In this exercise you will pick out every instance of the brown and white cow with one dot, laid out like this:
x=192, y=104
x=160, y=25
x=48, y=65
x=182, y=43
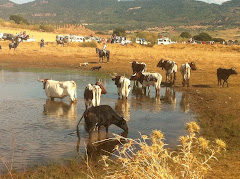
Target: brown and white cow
x=171, y=69
x=123, y=86
x=59, y=89
x=185, y=70
x=148, y=79
x=92, y=94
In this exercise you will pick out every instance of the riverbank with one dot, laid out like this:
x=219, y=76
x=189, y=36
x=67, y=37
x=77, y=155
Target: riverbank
x=217, y=107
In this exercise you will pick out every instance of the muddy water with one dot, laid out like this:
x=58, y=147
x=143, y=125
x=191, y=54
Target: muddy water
x=38, y=130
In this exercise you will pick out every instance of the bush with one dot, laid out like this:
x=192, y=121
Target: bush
x=218, y=40
x=203, y=37
x=92, y=44
x=119, y=32
x=18, y=19
x=46, y=28
x=185, y=35
x=149, y=158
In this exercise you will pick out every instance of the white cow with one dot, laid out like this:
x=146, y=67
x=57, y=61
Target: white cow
x=92, y=94
x=148, y=79
x=170, y=67
x=185, y=70
x=59, y=89
x=123, y=86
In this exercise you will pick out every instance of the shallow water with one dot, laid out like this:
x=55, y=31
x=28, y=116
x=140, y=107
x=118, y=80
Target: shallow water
x=38, y=130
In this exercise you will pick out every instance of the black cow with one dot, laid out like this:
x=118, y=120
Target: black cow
x=223, y=74
x=171, y=69
x=102, y=115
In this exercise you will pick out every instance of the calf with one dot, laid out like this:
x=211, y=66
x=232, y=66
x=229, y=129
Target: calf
x=123, y=86
x=147, y=79
x=171, y=69
x=185, y=70
x=223, y=74
x=102, y=115
x=59, y=89
x=93, y=93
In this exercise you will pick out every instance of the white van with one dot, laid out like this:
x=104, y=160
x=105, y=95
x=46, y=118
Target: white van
x=164, y=41
x=75, y=38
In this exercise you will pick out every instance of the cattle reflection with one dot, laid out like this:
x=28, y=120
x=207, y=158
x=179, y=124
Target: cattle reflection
x=151, y=102
x=59, y=109
x=170, y=97
x=123, y=108
x=184, y=103
x=100, y=144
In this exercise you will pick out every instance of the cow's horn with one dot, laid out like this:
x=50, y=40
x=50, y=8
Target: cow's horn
x=39, y=79
x=114, y=75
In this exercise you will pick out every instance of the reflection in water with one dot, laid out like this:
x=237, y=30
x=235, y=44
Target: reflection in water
x=184, y=103
x=59, y=109
x=147, y=102
x=170, y=97
x=122, y=106
x=100, y=144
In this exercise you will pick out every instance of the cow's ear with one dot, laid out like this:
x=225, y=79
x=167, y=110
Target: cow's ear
x=123, y=121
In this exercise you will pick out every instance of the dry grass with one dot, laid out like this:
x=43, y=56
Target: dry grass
x=140, y=160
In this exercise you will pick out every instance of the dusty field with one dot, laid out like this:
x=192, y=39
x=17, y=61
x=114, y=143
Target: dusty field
x=218, y=108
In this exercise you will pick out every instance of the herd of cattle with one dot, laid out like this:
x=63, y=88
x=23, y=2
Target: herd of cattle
x=96, y=115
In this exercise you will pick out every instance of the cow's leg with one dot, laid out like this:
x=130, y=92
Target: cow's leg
x=227, y=83
x=187, y=82
x=52, y=98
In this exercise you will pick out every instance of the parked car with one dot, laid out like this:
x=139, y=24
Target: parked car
x=1, y=35
x=7, y=36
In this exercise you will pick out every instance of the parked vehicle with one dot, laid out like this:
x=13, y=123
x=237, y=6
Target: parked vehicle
x=7, y=36
x=141, y=41
x=164, y=41
x=75, y=38
x=1, y=35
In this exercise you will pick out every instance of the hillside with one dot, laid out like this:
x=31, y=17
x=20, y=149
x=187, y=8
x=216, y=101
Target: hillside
x=138, y=14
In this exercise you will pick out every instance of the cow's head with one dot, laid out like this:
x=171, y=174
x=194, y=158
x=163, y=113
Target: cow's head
x=233, y=71
x=44, y=81
x=193, y=66
x=137, y=76
x=117, y=80
x=161, y=63
x=122, y=124
x=104, y=91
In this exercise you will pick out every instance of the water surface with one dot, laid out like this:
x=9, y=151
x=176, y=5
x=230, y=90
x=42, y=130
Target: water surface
x=38, y=130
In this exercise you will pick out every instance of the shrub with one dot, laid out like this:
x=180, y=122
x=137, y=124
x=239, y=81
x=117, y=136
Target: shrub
x=47, y=28
x=148, y=157
x=185, y=35
x=92, y=44
x=218, y=40
x=119, y=32
x=203, y=37
x=18, y=19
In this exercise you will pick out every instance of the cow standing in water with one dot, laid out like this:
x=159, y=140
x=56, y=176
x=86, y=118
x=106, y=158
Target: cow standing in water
x=59, y=89
x=123, y=86
x=102, y=115
x=223, y=74
x=171, y=69
x=137, y=68
x=185, y=70
x=148, y=79
x=92, y=94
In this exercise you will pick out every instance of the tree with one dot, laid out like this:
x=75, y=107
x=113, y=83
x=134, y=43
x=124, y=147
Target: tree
x=203, y=37
x=18, y=19
x=185, y=35
x=218, y=40
x=119, y=32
